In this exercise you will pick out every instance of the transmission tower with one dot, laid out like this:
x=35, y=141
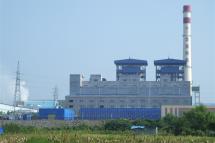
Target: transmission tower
x=17, y=93
x=55, y=96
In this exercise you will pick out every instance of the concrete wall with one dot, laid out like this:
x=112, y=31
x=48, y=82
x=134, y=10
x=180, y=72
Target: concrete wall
x=125, y=94
x=178, y=110
x=142, y=88
x=113, y=101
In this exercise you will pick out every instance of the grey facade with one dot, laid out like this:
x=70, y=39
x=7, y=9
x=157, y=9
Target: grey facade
x=128, y=91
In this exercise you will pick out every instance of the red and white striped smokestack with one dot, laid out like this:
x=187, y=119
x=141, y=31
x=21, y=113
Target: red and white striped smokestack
x=187, y=43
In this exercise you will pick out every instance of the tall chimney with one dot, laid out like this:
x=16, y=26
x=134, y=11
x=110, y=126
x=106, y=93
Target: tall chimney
x=187, y=43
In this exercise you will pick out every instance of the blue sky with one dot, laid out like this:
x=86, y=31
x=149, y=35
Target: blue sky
x=53, y=38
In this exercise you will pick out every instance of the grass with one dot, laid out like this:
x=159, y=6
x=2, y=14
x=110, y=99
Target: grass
x=92, y=137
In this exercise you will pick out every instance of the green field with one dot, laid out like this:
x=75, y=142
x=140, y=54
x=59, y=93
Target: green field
x=90, y=137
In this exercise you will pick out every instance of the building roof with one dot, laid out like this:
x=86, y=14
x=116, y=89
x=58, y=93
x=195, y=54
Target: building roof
x=169, y=62
x=130, y=62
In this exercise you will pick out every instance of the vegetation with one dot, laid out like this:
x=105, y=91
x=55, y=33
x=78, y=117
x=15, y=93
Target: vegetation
x=198, y=122
x=187, y=128
x=89, y=137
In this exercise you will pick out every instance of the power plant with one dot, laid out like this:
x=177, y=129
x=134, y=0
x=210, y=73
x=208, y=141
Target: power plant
x=131, y=93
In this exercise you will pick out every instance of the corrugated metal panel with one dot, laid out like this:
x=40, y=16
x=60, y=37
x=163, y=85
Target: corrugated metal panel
x=130, y=62
x=58, y=114
x=130, y=70
x=116, y=113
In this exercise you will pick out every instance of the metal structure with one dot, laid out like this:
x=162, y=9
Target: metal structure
x=187, y=43
x=117, y=113
x=196, y=95
x=17, y=93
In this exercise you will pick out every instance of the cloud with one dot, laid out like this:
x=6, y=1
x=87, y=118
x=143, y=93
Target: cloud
x=24, y=91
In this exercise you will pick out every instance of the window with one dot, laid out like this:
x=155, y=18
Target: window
x=90, y=106
x=171, y=112
x=142, y=68
x=81, y=101
x=175, y=111
x=122, y=106
x=111, y=101
x=70, y=106
x=133, y=101
x=101, y=106
x=165, y=111
x=102, y=101
x=119, y=67
x=112, y=106
x=71, y=100
x=82, y=106
x=121, y=101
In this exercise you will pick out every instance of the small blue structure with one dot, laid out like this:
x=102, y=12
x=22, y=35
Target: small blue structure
x=117, y=113
x=1, y=130
x=27, y=117
x=57, y=114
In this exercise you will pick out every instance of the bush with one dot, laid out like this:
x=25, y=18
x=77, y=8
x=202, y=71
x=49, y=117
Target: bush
x=146, y=123
x=15, y=128
x=118, y=125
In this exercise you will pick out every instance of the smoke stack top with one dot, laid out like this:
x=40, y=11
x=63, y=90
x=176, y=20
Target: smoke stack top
x=187, y=8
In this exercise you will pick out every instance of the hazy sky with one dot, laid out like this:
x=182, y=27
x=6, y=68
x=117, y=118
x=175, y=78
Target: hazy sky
x=53, y=38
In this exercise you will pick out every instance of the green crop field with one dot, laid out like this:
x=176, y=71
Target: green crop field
x=87, y=137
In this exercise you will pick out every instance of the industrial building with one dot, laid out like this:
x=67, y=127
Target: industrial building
x=98, y=98
x=5, y=108
x=178, y=110
x=56, y=114
x=131, y=90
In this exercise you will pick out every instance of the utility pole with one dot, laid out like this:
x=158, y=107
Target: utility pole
x=17, y=93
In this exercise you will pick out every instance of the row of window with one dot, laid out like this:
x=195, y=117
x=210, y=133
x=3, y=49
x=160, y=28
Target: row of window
x=113, y=106
x=131, y=101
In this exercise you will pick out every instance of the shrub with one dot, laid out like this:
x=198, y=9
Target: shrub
x=118, y=125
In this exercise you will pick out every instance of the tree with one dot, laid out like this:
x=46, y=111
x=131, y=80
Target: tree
x=197, y=118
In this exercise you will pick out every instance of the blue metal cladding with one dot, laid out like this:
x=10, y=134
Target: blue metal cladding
x=130, y=70
x=170, y=62
x=60, y=114
x=1, y=130
x=117, y=113
x=170, y=70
